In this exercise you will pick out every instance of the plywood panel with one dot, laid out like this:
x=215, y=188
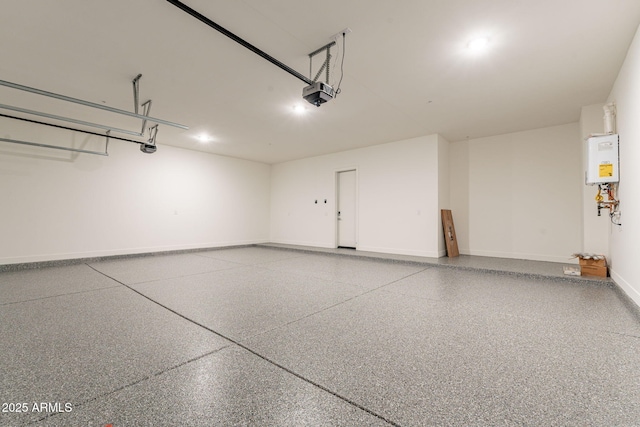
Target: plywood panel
x=449, y=233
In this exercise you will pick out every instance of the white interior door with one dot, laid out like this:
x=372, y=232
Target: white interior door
x=347, y=209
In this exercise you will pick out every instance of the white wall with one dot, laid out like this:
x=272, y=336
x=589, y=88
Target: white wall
x=625, y=240
x=519, y=195
x=596, y=229
x=62, y=205
x=459, y=179
x=444, y=188
x=398, y=186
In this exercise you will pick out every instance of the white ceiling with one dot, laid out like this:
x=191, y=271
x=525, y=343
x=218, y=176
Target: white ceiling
x=407, y=71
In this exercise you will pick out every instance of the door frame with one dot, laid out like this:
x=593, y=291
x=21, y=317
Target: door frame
x=336, y=177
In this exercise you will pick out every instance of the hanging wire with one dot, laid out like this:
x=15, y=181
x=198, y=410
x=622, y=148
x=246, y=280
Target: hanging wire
x=335, y=63
x=344, y=50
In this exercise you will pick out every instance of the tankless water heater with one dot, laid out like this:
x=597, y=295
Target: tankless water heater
x=602, y=160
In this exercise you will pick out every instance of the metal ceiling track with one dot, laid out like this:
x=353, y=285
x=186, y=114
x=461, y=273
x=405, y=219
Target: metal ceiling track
x=57, y=147
x=68, y=119
x=90, y=104
x=146, y=107
x=243, y=42
x=153, y=131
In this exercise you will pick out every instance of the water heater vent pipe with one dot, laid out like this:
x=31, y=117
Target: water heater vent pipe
x=609, y=118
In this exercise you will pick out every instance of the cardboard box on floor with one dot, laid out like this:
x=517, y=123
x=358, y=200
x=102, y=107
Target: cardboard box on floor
x=593, y=267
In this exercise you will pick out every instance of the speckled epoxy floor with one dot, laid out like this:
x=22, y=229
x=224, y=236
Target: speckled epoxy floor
x=270, y=336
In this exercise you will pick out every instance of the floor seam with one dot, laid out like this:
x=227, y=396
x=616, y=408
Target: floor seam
x=139, y=381
x=424, y=268
x=266, y=359
x=167, y=278
x=333, y=305
x=622, y=334
x=61, y=295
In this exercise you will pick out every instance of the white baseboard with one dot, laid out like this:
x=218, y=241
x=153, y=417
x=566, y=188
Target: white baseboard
x=633, y=293
x=302, y=243
x=511, y=255
x=126, y=251
x=395, y=251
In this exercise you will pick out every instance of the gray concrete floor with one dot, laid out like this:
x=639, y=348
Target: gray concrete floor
x=284, y=336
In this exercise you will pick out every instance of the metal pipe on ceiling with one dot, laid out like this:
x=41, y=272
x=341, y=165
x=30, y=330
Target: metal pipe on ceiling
x=89, y=104
x=67, y=119
x=240, y=41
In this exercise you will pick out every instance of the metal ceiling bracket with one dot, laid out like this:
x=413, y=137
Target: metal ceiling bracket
x=153, y=132
x=136, y=93
x=106, y=145
x=150, y=146
x=325, y=65
x=146, y=108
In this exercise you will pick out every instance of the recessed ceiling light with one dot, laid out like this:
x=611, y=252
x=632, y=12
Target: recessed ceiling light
x=299, y=109
x=479, y=44
x=203, y=137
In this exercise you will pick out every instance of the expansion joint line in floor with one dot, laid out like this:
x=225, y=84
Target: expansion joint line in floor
x=141, y=380
x=255, y=353
x=84, y=291
x=338, y=303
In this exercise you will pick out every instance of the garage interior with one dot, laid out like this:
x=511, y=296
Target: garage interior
x=187, y=240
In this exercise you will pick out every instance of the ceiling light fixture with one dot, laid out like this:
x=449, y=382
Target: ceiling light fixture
x=203, y=137
x=478, y=45
x=299, y=109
